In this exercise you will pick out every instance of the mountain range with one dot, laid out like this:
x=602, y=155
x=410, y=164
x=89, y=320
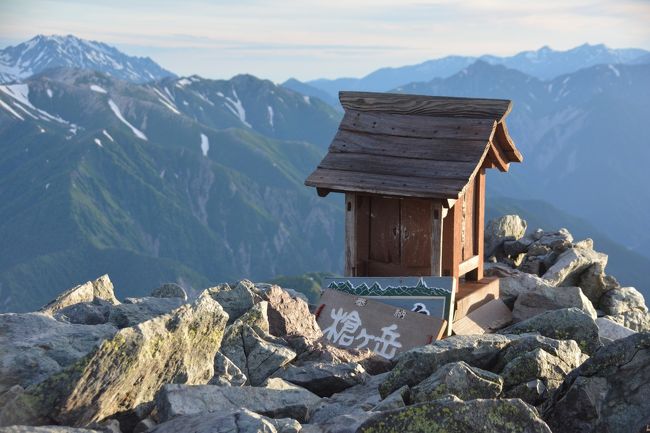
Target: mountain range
x=121, y=167
x=544, y=64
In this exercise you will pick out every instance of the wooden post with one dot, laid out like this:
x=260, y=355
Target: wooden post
x=451, y=248
x=436, y=238
x=350, y=234
x=479, y=228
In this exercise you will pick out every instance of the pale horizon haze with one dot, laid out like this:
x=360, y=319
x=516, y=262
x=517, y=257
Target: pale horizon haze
x=312, y=39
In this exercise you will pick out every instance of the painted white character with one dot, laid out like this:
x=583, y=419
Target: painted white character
x=419, y=307
x=350, y=323
x=387, y=344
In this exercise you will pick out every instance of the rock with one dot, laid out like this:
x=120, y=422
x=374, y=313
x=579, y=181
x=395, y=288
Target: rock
x=594, y=283
x=96, y=312
x=566, y=271
x=324, y=379
x=277, y=383
x=508, y=227
x=226, y=373
x=263, y=358
x=609, y=330
x=144, y=425
x=449, y=415
x=169, y=290
x=232, y=345
x=290, y=315
x=608, y=393
x=101, y=288
x=548, y=298
x=513, y=283
x=177, y=400
x=536, y=364
x=419, y=363
x=518, y=246
x=533, y=392
x=321, y=351
x=636, y=320
x=236, y=301
x=345, y=411
x=138, y=310
x=44, y=429
x=396, y=400
x=564, y=324
x=239, y=421
x=623, y=299
x=559, y=241
x=567, y=350
x=34, y=346
x=459, y=379
x=127, y=370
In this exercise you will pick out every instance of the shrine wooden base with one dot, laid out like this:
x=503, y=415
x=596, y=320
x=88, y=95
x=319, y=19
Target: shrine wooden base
x=473, y=294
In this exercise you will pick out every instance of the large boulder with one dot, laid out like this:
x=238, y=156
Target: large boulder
x=513, y=283
x=235, y=300
x=610, y=392
x=497, y=231
x=565, y=324
x=324, y=379
x=637, y=320
x=622, y=299
x=548, y=298
x=458, y=378
x=594, y=282
x=609, y=330
x=137, y=310
x=232, y=345
x=570, y=265
x=263, y=358
x=239, y=421
x=127, y=370
x=453, y=415
x=343, y=412
x=290, y=315
x=169, y=290
x=177, y=400
x=417, y=364
x=101, y=288
x=34, y=346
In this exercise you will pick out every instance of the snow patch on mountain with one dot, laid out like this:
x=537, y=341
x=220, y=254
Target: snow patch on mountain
x=49, y=93
x=118, y=114
x=270, y=110
x=237, y=108
x=98, y=142
x=10, y=110
x=614, y=70
x=107, y=135
x=98, y=89
x=205, y=144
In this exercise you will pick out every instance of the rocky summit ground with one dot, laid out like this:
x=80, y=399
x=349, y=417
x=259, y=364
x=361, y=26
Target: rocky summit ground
x=247, y=357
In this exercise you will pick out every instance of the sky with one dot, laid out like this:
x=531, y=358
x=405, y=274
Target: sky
x=310, y=39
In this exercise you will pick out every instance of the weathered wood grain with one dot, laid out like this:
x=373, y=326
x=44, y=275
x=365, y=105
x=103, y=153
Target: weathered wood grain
x=377, y=164
x=385, y=230
x=350, y=234
x=406, y=186
x=495, y=109
x=498, y=157
x=502, y=136
x=436, y=237
x=418, y=126
x=440, y=149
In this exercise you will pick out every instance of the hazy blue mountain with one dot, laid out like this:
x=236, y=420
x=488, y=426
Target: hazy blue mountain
x=584, y=136
x=44, y=52
x=153, y=182
x=312, y=92
x=544, y=63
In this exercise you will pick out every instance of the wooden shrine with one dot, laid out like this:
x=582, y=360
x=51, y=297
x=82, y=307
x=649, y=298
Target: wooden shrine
x=413, y=172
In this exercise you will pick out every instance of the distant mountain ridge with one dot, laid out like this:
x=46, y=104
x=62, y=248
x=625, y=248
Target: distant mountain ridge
x=543, y=64
x=45, y=52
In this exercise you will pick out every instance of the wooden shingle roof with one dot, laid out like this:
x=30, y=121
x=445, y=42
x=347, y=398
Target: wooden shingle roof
x=412, y=145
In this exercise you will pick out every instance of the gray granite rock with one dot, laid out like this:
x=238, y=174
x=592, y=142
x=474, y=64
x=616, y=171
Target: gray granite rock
x=178, y=400
x=460, y=379
x=622, y=299
x=570, y=265
x=497, y=231
x=101, y=288
x=452, y=415
x=565, y=324
x=169, y=290
x=546, y=298
x=610, y=392
x=237, y=421
x=324, y=379
x=417, y=364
